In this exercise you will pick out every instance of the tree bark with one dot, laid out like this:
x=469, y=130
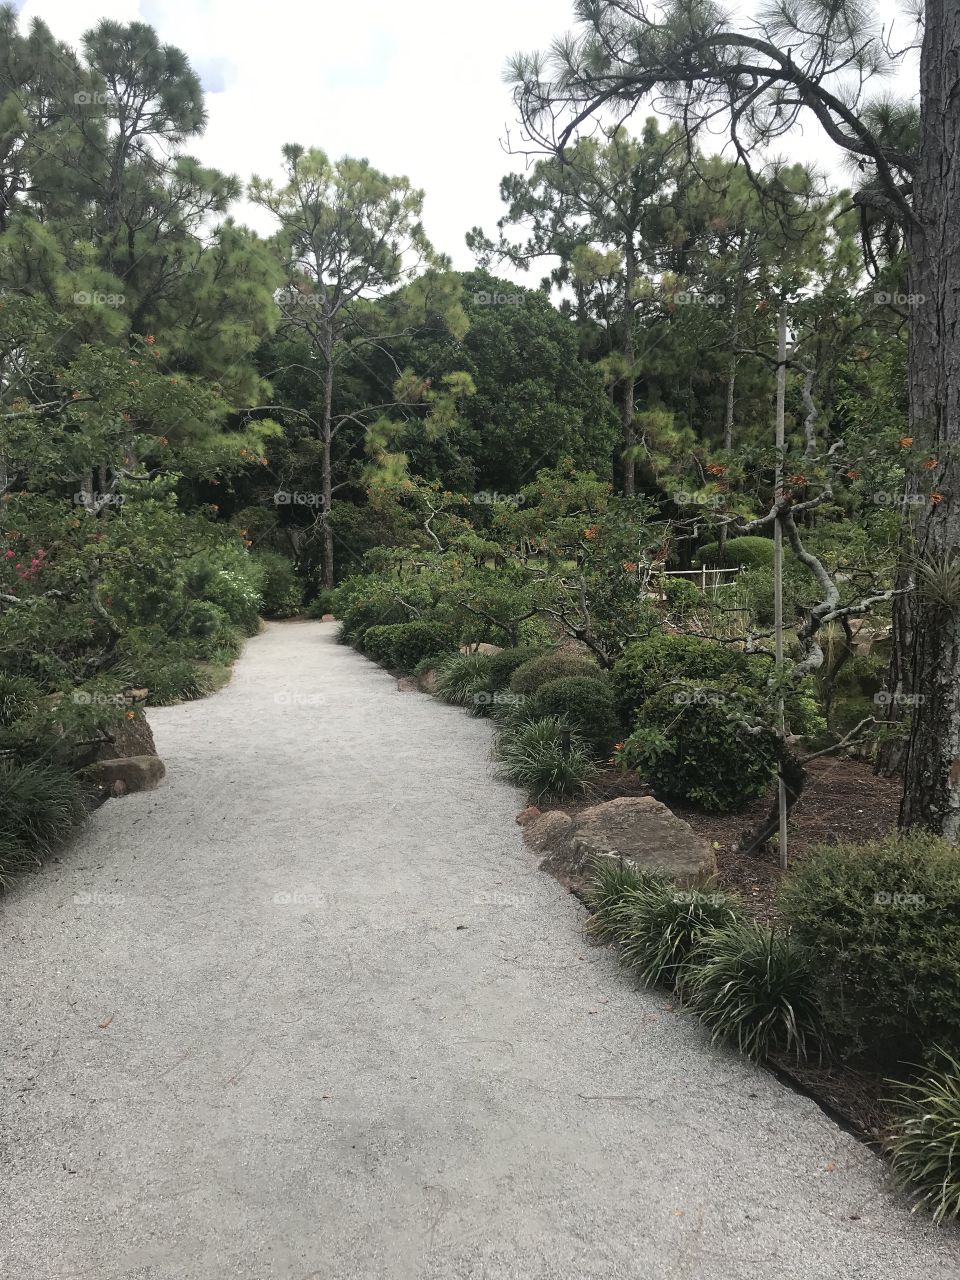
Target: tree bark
x=925, y=667
x=629, y=351
x=327, y=495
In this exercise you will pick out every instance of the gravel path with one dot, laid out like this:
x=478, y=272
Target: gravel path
x=310, y=1011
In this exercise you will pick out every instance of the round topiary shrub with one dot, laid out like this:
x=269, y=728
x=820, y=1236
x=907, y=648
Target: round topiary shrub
x=924, y=1147
x=586, y=705
x=882, y=923
x=647, y=665
x=402, y=645
x=690, y=744
x=502, y=665
x=557, y=665
x=754, y=986
x=750, y=551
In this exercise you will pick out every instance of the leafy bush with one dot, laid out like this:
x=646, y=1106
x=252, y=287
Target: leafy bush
x=322, y=602
x=208, y=629
x=42, y=804
x=750, y=551
x=529, y=676
x=682, y=597
x=656, y=925
x=647, y=665
x=537, y=757
x=280, y=588
x=502, y=665
x=689, y=745
x=379, y=608
x=754, y=986
x=924, y=1147
x=402, y=645
x=463, y=680
x=882, y=923
x=230, y=583
x=585, y=705
x=869, y=670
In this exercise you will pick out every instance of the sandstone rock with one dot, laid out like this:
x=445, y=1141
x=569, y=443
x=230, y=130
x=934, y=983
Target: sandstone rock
x=527, y=815
x=128, y=738
x=549, y=831
x=328, y=617
x=408, y=684
x=480, y=648
x=633, y=829
x=129, y=773
x=427, y=682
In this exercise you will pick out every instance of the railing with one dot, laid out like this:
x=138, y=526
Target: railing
x=703, y=577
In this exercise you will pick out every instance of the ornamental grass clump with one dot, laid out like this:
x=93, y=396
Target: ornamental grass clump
x=925, y=1147
x=546, y=759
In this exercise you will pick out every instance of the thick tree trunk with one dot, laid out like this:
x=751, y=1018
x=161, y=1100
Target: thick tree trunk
x=926, y=661
x=327, y=495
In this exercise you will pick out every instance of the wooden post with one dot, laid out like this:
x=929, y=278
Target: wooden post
x=778, y=561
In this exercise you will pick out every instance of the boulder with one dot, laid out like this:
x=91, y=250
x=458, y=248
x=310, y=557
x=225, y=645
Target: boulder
x=128, y=738
x=527, y=815
x=480, y=648
x=328, y=617
x=635, y=829
x=408, y=684
x=427, y=682
x=549, y=831
x=129, y=773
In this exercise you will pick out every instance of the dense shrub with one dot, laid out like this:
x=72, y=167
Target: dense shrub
x=209, y=631
x=378, y=609
x=542, y=759
x=755, y=987
x=463, y=680
x=647, y=665
x=42, y=804
x=402, y=645
x=502, y=665
x=656, y=925
x=558, y=665
x=925, y=1146
x=882, y=923
x=280, y=588
x=750, y=551
x=682, y=597
x=230, y=582
x=584, y=704
x=690, y=744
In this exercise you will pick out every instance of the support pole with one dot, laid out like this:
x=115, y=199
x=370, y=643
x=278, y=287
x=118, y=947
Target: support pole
x=778, y=563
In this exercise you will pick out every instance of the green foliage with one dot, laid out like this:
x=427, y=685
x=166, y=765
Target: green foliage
x=647, y=665
x=924, y=1144
x=586, y=705
x=529, y=676
x=882, y=923
x=755, y=987
x=231, y=582
x=280, y=588
x=502, y=665
x=42, y=805
x=609, y=887
x=402, y=646
x=752, y=552
x=683, y=598
x=655, y=924
x=463, y=680
x=540, y=758
x=690, y=744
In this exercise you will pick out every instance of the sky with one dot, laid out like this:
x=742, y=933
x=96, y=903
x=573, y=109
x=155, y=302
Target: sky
x=416, y=87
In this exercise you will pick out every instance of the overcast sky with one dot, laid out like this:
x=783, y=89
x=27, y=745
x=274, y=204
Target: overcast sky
x=415, y=86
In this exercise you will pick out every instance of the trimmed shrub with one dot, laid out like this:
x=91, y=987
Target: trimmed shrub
x=689, y=745
x=378, y=609
x=647, y=665
x=402, y=645
x=502, y=665
x=881, y=921
x=657, y=925
x=536, y=757
x=42, y=804
x=750, y=551
x=925, y=1148
x=683, y=597
x=754, y=986
x=586, y=705
x=280, y=588
x=557, y=665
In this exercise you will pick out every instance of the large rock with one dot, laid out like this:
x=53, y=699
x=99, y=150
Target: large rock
x=128, y=738
x=634, y=829
x=130, y=773
x=483, y=647
x=549, y=831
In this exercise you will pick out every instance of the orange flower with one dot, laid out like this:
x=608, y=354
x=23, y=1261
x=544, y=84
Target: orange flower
x=931, y=463
x=905, y=442
x=164, y=440
x=618, y=746
x=131, y=714
x=797, y=478
x=263, y=462
x=936, y=497
x=716, y=469
x=853, y=475
x=149, y=339
x=629, y=566
x=592, y=532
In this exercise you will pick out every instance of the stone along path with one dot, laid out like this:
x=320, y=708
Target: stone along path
x=310, y=1011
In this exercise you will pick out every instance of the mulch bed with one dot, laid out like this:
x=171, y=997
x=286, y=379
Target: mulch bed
x=843, y=800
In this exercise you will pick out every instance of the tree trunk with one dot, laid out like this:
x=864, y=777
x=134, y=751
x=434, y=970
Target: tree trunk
x=328, y=565
x=925, y=667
